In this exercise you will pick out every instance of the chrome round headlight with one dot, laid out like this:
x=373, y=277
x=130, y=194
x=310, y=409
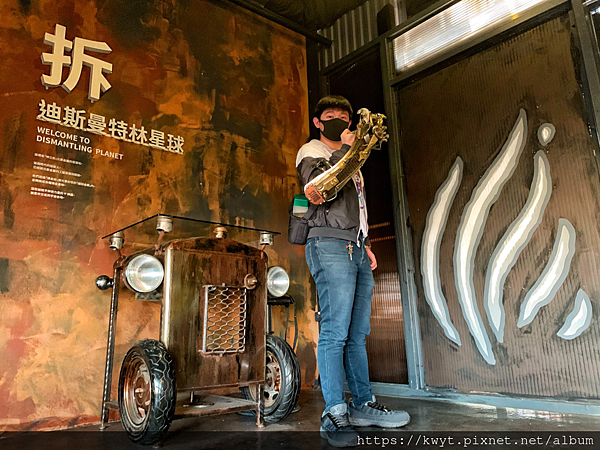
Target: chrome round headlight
x=144, y=273
x=278, y=281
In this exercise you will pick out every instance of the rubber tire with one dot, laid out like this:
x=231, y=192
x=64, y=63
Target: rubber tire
x=290, y=381
x=164, y=393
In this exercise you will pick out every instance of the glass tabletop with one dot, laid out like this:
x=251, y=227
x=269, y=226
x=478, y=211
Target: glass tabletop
x=144, y=232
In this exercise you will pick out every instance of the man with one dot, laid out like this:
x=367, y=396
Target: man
x=339, y=256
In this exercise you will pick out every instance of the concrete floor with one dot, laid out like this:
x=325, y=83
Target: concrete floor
x=300, y=430
x=426, y=415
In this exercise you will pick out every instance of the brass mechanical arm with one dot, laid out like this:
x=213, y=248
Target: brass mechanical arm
x=325, y=187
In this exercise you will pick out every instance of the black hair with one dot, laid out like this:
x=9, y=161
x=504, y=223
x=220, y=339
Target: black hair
x=332, y=102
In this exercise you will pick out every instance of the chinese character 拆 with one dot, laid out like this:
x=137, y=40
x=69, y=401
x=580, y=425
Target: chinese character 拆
x=57, y=60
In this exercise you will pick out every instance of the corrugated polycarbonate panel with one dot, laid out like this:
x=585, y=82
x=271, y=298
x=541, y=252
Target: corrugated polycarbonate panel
x=355, y=29
x=455, y=25
x=386, y=346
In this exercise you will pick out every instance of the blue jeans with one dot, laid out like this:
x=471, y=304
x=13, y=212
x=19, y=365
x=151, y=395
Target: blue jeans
x=345, y=287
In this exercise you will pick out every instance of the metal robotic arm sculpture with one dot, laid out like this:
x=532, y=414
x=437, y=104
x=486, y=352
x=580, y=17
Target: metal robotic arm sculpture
x=370, y=133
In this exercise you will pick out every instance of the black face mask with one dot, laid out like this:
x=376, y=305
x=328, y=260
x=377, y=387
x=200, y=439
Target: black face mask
x=333, y=129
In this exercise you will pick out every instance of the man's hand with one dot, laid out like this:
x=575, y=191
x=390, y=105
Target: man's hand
x=371, y=257
x=348, y=137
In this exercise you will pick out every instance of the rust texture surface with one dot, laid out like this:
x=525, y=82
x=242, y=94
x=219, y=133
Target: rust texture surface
x=230, y=83
x=192, y=271
x=468, y=109
x=214, y=245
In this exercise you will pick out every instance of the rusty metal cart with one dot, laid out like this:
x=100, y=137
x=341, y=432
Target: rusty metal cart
x=213, y=293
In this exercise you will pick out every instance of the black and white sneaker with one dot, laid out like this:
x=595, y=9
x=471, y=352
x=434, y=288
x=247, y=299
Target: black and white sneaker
x=336, y=429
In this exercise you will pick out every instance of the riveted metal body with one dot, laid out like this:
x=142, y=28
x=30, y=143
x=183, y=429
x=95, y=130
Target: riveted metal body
x=193, y=269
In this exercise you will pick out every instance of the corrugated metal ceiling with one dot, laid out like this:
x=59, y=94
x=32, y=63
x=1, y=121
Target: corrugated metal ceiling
x=312, y=14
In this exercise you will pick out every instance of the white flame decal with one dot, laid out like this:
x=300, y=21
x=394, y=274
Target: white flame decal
x=579, y=319
x=435, y=224
x=514, y=241
x=507, y=251
x=546, y=133
x=553, y=276
x=471, y=227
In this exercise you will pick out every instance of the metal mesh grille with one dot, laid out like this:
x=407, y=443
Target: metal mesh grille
x=225, y=319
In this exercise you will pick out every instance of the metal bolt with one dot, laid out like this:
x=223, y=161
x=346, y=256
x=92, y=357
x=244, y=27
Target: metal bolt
x=220, y=232
x=164, y=223
x=117, y=240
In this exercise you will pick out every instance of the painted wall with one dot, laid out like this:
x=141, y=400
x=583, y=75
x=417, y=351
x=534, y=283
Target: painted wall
x=469, y=111
x=231, y=84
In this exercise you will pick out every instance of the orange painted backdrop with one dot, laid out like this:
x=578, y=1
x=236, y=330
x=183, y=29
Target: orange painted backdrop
x=230, y=83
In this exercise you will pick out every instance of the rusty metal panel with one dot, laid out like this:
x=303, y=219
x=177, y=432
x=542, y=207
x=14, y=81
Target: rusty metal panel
x=194, y=264
x=467, y=110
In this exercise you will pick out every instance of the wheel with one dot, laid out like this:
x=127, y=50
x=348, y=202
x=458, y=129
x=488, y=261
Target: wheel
x=147, y=392
x=282, y=383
